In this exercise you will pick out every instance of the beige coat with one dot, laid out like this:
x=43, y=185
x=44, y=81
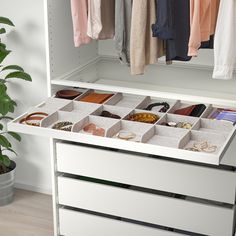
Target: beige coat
x=144, y=49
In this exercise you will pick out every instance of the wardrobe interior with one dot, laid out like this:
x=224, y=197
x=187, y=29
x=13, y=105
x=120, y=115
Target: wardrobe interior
x=98, y=63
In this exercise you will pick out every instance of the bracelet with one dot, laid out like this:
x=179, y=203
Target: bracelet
x=63, y=125
x=165, y=107
x=37, y=116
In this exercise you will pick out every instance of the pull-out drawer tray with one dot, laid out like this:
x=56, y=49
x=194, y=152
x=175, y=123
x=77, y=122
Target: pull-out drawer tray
x=146, y=207
x=205, y=140
x=143, y=171
x=74, y=223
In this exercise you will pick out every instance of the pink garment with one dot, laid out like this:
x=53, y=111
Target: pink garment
x=79, y=10
x=203, y=17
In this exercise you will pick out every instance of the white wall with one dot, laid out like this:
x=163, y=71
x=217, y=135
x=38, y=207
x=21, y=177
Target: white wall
x=27, y=42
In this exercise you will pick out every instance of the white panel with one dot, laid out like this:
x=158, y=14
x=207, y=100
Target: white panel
x=145, y=207
x=189, y=80
x=157, y=174
x=64, y=57
x=74, y=223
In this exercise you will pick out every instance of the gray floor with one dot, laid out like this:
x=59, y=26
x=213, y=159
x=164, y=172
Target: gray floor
x=29, y=215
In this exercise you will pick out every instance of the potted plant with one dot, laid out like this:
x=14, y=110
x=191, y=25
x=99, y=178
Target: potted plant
x=7, y=105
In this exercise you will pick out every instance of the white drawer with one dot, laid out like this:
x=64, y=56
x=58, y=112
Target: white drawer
x=146, y=207
x=73, y=223
x=153, y=139
x=153, y=173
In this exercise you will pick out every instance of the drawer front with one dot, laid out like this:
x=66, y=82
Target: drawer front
x=146, y=207
x=74, y=223
x=153, y=173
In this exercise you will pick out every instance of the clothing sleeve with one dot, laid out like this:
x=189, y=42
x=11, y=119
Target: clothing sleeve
x=79, y=9
x=225, y=41
x=94, y=18
x=200, y=25
x=138, y=37
x=163, y=26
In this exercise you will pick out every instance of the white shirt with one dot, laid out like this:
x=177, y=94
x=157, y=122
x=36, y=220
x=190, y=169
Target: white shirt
x=225, y=41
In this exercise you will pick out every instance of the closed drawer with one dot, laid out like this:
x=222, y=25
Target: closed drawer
x=153, y=173
x=74, y=223
x=146, y=207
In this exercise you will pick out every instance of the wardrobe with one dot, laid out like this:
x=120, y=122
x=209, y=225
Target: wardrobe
x=105, y=186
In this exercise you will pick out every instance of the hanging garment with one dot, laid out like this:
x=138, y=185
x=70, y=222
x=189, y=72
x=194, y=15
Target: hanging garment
x=173, y=25
x=225, y=41
x=94, y=18
x=123, y=13
x=79, y=11
x=203, y=17
x=144, y=49
x=108, y=19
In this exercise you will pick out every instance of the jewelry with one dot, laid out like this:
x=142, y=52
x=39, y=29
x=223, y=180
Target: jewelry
x=144, y=117
x=202, y=146
x=109, y=115
x=184, y=125
x=63, y=125
x=36, y=117
x=126, y=135
x=94, y=130
x=165, y=107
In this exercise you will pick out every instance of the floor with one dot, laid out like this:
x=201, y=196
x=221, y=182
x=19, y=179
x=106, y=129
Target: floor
x=29, y=215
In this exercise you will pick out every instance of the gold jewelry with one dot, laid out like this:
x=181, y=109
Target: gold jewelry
x=202, y=146
x=144, y=117
x=126, y=135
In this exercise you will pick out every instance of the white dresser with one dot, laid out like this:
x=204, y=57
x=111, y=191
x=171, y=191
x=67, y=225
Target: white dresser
x=104, y=186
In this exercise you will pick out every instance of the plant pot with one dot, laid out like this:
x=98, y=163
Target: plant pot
x=7, y=186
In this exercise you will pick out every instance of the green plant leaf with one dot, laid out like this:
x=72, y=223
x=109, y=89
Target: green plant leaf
x=3, y=52
x=6, y=21
x=4, y=142
x=6, y=104
x=10, y=150
x=6, y=117
x=19, y=75
x=3, y=89
x=2, y=31
x=1, y=126
x=13, y=67
x=6, y=161
x=15, y=136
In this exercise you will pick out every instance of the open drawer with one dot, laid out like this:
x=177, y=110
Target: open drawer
x=110, y=123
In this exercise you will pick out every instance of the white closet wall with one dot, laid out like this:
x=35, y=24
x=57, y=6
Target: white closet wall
x=27, y=42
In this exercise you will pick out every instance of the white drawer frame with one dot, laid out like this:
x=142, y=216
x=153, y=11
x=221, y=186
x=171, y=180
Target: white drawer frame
x=146, y=207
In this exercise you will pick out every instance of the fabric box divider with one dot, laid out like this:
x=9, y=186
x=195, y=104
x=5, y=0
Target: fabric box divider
x=198, y=136
x=138, y=129
x=149, y=100
x=124, y=100
x=101, y=122
x=51, y=105
x=214, y=126
x=165, y=136
x=182, y=104
x=61, y=116
x=81, y=107
x=177, y=118
x=120, y=111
